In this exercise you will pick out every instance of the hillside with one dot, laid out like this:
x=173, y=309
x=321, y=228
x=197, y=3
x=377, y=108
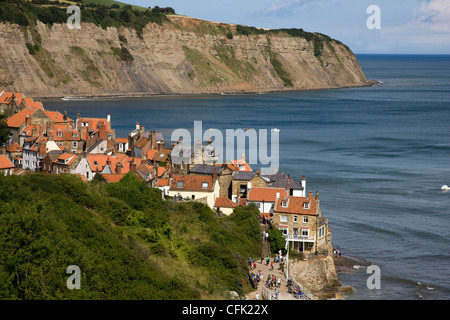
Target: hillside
x=120, y=51
x=128, y=243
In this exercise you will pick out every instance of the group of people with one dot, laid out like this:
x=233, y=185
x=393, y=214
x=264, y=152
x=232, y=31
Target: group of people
x=265, y=236
x=256, y=278
x=295, y=291
x=264, y=220
x=273, y=282
x=336, y=253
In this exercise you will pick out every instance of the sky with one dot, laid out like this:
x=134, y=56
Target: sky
x=394, y=27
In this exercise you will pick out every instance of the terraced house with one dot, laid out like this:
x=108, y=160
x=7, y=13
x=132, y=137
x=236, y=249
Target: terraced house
x=301, y=222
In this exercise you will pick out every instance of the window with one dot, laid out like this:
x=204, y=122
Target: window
x=75, y=135
x=205, y=185
x=193, y=197
x=284, y=204
x=305, y=232
x=305, y=205
x=295, y=219
x=284, y=230
x=180, y=184
x=283, y=218
x=321, y=232
x=74, y=144
x=59, y=134
x=305, y=219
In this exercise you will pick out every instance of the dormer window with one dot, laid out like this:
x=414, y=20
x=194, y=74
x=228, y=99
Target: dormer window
x=284, y=204
x=180, y=184
x=59, y=134
x=305, y=205
x=75, y=135
x=205, y=185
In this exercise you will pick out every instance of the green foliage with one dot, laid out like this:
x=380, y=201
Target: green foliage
x=30, y=48
x=26, y=13
x=115, y=233
x=4, y=130
x=277, y=241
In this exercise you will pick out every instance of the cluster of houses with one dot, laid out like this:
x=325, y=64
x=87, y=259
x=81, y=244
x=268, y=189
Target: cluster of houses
x=50, y=142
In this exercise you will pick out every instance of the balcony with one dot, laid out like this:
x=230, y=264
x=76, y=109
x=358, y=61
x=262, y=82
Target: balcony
x=299, y=238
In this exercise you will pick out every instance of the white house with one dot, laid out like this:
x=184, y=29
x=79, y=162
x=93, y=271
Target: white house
x=84, y=168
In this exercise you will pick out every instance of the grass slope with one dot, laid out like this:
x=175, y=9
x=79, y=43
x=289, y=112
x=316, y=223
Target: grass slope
x=128, y=243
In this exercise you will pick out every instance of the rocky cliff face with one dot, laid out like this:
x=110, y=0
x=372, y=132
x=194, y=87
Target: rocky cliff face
x=182, y=56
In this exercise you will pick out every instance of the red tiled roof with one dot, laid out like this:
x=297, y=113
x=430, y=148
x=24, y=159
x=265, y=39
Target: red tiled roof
x=5, y=163
x=19, y=118
x=241, y=162
x=67, y=156
x=14, y=147
x=265, y=194
x=93, y=123
x=224, y=203
x=56, y=116
x=162, y=183
x=296, y=205
x=122, y=140
x=113, y=178
x=192, y=183
x=99, y=160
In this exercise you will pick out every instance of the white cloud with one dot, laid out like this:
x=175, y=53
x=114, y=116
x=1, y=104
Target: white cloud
x=285, y=6
x=434, y=15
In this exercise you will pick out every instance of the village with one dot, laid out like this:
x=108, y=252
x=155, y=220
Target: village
x=50, y=142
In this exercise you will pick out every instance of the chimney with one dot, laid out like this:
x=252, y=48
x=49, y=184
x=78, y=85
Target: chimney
x=317, y=195
x=215, y=174
x=304, y=185
x=102, y=131
x=108, y=161
x=78, y=120
x=108, y=118
x=65, y=116
x=138, y=127
x=27, y=120
x=258, y=173
x=310, y=194
x=133, y=166
x=288, y=185
x=118, y=168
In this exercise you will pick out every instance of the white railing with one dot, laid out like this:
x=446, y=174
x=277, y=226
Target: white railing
x=298, y=237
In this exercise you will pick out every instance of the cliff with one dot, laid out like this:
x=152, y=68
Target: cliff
x=181, y=56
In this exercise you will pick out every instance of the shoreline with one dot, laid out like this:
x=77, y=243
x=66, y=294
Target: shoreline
x=370, y=83
x=348, y=264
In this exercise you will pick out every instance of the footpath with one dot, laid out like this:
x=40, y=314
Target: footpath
x=264, y=290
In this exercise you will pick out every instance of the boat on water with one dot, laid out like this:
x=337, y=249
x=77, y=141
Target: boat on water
x=445, y=187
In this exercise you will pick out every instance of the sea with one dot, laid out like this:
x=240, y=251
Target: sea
x=377, y=155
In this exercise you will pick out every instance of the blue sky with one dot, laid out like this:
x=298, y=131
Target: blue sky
x=407, y=26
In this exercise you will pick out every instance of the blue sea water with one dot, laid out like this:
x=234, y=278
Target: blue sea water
x=377, y=155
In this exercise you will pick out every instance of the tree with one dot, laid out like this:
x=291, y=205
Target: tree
x=4, y=130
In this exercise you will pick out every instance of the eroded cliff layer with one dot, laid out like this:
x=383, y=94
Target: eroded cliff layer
x=182, y=56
